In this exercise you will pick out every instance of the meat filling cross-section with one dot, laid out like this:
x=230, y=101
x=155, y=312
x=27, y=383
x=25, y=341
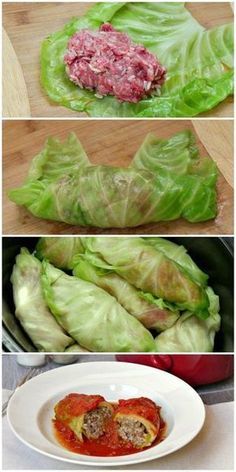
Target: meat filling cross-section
x=138, y=421
x=95, y=421
x=133, y=431
x=109, y=63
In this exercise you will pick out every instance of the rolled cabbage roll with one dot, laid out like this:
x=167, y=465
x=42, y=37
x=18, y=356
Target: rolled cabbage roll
x=191, y=334
x=59, y=251
x=179, y=254
x=30, y=306
x=103, y=196
x=152, y=316
x=138, y=421
x=92, y=316
x=149, y=270
x=86, y=415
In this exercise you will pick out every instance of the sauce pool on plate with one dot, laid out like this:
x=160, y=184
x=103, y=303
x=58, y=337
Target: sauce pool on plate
x=108, y=445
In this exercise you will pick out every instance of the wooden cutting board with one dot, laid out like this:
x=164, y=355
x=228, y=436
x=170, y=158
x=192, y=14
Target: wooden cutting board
x=27, y=24
x=113, y=142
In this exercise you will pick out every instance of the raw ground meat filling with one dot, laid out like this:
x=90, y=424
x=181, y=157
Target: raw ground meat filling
x=109, y=63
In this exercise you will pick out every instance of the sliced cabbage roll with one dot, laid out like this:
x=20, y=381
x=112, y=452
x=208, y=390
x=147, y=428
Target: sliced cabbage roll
x=191, y=334
x=155, y=315
x=59, y=251
x=86, y=415
x=103, y=196
x=138, y=421
x=148, y=269
x=30, y=306
x=179, y=255
x=91, y=316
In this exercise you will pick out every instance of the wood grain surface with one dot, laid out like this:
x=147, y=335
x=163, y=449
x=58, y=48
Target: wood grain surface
x=27, y=24
x=15, y=98
x=113, y=142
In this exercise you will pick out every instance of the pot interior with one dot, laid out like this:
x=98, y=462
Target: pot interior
x=213, y=255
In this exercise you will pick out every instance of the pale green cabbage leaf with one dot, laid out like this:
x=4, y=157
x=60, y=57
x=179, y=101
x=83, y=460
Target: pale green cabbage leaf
x=153, y=315
x=179, y=255
x=148, y=269
x=190, y=333
x=30, y=306
x=59, y=251
x=91, y=316
x=76, y=348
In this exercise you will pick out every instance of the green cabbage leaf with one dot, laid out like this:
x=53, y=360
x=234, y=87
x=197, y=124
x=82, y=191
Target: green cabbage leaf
x=199, y=62
x=190, y=333
x=91, y=316
x=31, y=308
x=59, y=251
x=148, y=269
x=179, y=255
x=153, y=314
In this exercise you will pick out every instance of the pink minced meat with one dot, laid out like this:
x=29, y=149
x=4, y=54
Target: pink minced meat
x=108, y=62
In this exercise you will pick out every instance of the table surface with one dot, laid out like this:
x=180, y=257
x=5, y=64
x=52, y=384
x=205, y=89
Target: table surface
x=12, y=372
x=27, y=24
x=114, y=143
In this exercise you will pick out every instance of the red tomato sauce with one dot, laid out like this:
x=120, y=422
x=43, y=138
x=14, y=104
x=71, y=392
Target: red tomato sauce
x=76, y=404
x=109, y=444
x=142, y=407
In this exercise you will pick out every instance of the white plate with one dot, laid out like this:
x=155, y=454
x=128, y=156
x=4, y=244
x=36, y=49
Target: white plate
x=31, y=408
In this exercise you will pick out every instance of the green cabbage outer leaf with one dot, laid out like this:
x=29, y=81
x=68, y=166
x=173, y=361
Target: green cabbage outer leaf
x=76, y=348
x=58, y=159
x=179, y=255
x=59, y=251
x=152, y=315
x=147, y=269
x=91, y=316
x=191, y=334
x=199, y=62
x=177, y=154
x=107, y=197
x=31, y=309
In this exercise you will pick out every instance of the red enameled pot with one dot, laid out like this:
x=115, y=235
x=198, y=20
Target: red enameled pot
x=193, y=368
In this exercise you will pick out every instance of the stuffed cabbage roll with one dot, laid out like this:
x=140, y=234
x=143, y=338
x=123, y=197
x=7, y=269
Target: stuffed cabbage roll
x=155, y=315
x=30, y=306
x=179, y=254
x=138, y=421
x=86, y=415
x=91, y=316
x=103, y=196
x=191, y=334
x=149, y=270
x=59, y=251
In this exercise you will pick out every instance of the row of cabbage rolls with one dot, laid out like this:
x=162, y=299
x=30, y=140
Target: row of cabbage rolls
x=114, y=294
